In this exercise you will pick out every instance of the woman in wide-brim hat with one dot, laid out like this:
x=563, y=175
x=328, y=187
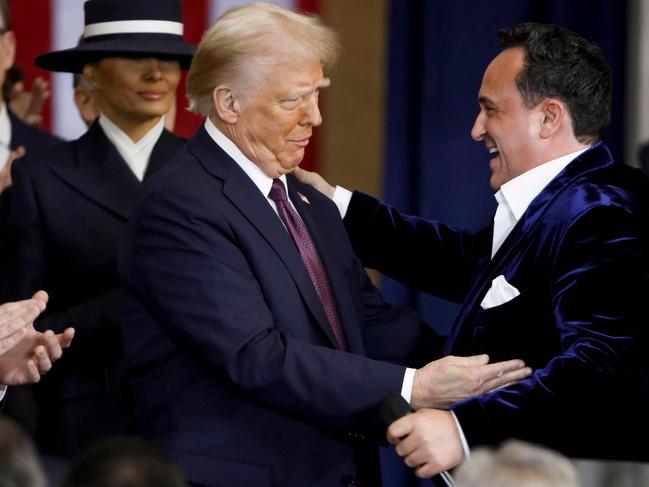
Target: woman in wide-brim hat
x=70, y=205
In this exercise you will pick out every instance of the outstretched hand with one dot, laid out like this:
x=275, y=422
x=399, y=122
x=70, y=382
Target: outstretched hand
x=450, y=379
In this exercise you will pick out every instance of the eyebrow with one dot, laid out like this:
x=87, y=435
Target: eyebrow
x=321, y=84
x=482, y=100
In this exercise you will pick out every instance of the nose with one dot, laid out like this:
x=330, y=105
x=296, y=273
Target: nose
x=478, y=131
x=152, y=69
x=312, y=116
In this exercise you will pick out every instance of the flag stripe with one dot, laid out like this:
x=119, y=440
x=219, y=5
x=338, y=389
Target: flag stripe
x=67, y=27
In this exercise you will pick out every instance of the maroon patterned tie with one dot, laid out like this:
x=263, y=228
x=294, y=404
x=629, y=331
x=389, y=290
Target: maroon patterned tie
x=310, y=257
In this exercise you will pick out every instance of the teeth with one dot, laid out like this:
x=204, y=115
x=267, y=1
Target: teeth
x=494, y=150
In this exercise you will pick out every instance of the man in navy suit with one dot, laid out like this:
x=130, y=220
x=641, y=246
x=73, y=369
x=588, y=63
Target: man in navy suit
x=560, y=278
x=256, y=344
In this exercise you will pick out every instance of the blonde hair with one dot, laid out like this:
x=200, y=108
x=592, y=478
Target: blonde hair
x=257, y=30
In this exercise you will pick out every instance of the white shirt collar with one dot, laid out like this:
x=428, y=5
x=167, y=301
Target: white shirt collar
x=5, y=135
x=5, y=126
x=254, y=172
x=136, y=154
x=520, y=191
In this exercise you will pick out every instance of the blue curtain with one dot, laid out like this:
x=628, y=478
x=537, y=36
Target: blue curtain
x=438, y=50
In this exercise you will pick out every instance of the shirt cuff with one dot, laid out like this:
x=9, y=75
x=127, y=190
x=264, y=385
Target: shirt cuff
x=342, y=198
x=465, y=445
x=408, y=381
x=3, y=389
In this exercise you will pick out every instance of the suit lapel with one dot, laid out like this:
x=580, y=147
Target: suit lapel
x=590, y=161
x=244, y=195
x=99, y=173
x=165, y=148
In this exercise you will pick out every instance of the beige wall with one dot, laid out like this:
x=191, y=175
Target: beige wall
x=351, y=152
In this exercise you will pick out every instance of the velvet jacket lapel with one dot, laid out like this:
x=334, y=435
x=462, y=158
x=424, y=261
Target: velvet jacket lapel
x=245, y=196
x=594, y=159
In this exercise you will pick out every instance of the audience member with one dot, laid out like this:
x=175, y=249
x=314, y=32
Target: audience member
x=26, y=105
x=516, y=464
x=123, y=462
x=85, y=98
x=14, y=133
x=19, y=464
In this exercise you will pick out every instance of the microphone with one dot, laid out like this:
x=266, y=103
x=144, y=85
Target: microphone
x=393, y=407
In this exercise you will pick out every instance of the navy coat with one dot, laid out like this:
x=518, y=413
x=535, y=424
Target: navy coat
x=232, y=362
x=69, y=208
x=580, y=258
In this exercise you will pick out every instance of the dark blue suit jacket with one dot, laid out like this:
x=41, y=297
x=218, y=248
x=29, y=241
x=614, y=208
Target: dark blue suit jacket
x=69, y=207
x=32, y=139
x=580, y=259
x=232, y=362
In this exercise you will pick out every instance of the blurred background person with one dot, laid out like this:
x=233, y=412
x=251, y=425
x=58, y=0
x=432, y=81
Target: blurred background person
x=516, y=464
x=123, y=462
x=25, y=104
x=15, y=134
x=69, y=206
x=19, y=464
x=85, y=98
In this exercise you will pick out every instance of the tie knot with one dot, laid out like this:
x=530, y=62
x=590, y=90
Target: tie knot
x=277, y=191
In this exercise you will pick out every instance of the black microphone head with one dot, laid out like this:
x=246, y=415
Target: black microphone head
x=393, y=407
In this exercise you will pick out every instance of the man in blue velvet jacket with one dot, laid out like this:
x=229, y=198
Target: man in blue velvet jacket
x=560, y=278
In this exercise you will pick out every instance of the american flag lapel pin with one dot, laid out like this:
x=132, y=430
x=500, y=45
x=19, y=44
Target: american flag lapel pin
x=304, y=198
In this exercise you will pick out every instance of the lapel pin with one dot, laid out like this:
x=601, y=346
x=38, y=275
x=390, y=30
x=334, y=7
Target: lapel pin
x=304, y=198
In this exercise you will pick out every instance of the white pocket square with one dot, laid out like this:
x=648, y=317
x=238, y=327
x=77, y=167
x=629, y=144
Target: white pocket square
x=499, y=293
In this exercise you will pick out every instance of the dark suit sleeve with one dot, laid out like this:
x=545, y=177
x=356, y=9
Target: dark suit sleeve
x=593, y=393
x=396, y=334
x=95, y=319
x=186, y=265
x=422, y=254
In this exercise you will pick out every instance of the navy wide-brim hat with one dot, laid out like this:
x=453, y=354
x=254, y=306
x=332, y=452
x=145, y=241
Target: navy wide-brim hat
x=125, y=28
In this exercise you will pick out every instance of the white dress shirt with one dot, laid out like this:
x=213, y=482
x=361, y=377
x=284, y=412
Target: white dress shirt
x=264, y=183
x=5, y=135
x=515, y=195
x=262, y=180
x=136, y=154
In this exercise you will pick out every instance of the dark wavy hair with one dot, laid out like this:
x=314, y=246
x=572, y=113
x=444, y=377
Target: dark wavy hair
x=560, y=64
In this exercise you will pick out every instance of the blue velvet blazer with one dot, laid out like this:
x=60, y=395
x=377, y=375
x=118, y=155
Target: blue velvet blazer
x=580, y=258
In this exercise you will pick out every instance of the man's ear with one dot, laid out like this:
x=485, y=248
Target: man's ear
x=8, y=46
x=89, y=74
x=554, y=116
x=226, y=104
